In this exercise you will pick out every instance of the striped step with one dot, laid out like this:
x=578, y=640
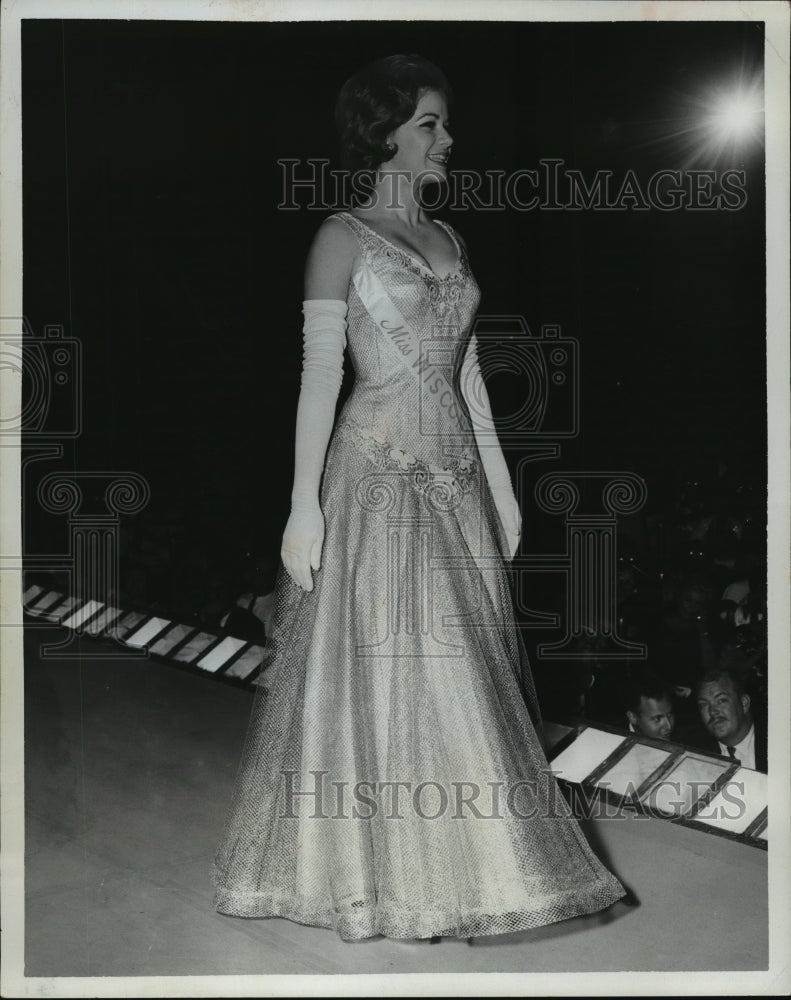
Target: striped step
x=188, y=646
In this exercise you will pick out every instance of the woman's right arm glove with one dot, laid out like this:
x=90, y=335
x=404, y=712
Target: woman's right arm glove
x=494, y=465
x=324, y=334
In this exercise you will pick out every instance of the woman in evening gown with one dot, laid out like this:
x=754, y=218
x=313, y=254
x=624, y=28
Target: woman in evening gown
x=392, y=780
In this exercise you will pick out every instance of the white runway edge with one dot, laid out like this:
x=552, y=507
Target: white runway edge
x=224, y=656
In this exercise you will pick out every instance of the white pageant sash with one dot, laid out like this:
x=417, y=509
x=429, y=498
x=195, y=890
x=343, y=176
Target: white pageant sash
x=405, y=342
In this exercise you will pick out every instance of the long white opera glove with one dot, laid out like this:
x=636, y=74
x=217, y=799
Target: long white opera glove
x=494, y=465
x=324, y=332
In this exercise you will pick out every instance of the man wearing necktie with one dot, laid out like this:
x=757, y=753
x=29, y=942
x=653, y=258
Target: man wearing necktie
x=726, y=713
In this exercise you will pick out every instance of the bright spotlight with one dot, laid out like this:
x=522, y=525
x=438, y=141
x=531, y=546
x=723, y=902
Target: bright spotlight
x=718, y=124
x=736, y=117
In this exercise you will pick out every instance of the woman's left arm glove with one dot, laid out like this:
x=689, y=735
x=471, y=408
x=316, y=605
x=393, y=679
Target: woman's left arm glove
x=495, y=467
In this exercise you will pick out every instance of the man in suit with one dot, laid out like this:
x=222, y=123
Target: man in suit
x=726, y=713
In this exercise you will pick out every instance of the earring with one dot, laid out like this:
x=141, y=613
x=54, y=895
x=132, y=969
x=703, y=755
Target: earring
x=390, y=148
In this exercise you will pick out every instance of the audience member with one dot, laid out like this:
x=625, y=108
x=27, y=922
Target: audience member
x=726, y=713
x=649, y=706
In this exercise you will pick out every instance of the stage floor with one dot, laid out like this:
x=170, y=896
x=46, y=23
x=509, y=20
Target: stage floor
x=129, y=766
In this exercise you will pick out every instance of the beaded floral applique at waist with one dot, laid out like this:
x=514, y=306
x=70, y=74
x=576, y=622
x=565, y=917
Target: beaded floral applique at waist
x=442, y=486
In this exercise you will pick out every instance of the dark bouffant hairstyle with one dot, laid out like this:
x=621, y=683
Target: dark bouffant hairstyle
x=376, y=100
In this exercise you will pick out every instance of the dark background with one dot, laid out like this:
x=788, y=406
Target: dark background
x=152, y=233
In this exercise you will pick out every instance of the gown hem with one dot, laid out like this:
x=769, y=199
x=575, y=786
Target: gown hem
x=398, y=922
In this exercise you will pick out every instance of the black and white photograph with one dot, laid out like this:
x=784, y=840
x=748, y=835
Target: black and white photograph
x=395, y=498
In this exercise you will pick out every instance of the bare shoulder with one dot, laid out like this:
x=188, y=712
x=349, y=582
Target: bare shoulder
x=330, y=260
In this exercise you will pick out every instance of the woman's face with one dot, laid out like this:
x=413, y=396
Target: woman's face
x=424, y=141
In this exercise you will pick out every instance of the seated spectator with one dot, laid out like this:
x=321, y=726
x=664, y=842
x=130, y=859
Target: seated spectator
x=649, y=706
x=726, y=713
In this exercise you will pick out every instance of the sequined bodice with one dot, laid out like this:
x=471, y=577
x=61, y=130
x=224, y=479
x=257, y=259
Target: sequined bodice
x=397, y=401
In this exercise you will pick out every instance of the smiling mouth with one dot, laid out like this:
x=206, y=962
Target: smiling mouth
x=440, y=158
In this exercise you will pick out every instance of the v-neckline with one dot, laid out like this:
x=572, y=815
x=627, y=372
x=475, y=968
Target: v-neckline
x=455, y=270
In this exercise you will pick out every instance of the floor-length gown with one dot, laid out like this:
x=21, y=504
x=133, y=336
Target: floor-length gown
x=392, y=781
